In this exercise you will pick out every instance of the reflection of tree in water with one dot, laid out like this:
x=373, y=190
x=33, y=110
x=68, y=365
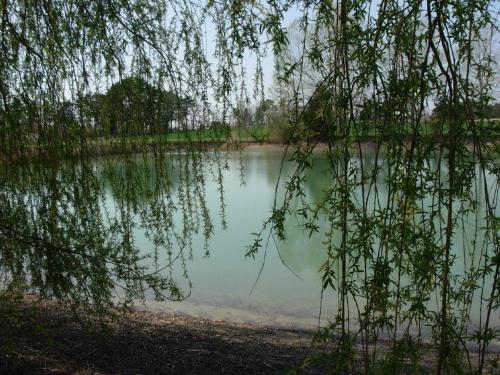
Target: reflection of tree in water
x=138, y=177
x=265, y=163
x=302, y=249
x=60, y=236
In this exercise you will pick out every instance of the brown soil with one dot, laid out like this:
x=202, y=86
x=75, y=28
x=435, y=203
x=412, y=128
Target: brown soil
x=40, y=337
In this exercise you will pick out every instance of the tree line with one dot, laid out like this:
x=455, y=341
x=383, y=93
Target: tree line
x=132, y=106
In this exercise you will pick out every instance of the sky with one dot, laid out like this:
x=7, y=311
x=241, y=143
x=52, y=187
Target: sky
x=250, y=59
x=293, y=14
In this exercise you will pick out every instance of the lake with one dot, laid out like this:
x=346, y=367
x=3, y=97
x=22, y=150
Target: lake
x=288, y=291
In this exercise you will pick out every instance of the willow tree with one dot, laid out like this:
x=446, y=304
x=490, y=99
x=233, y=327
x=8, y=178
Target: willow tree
x=68, y=68
x=394, y=244
x=378, y=66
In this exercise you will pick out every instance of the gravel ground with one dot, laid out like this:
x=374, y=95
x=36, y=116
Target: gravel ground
x=44, y=338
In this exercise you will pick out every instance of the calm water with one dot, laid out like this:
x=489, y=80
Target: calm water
x=222, y=282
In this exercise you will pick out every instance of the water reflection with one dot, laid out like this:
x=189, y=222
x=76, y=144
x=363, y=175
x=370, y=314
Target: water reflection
x=157, y=217
x=288, y=294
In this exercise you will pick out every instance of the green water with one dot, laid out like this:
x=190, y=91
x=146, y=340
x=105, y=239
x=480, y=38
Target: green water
x=288, y=290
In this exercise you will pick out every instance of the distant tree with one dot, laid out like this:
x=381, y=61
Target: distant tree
x=494, y=111
x=91, y=107
x=243, y=116
x=318, y=116
x=443, y=110
x=133, y=106
x=262, y=112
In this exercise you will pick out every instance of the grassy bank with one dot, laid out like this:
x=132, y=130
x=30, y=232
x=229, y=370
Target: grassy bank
x=241, y=136
x=223, y=139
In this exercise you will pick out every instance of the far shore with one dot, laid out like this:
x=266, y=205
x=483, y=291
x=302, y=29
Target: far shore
x=365, y=145
x=151, y=144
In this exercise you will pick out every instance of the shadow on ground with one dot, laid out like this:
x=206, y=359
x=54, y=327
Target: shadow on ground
x=46, y=339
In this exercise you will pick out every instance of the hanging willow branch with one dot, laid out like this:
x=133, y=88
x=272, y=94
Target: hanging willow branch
x=410, y=79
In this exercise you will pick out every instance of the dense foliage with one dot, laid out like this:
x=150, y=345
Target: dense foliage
x=354, y=68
